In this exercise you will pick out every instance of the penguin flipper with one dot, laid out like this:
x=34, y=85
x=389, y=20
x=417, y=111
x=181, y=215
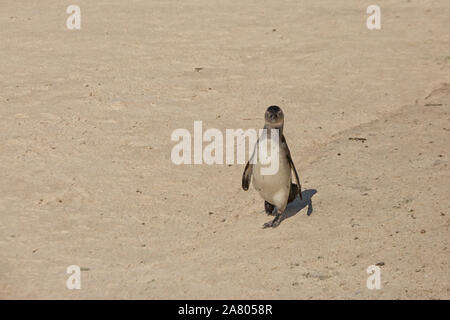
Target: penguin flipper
x=291, y=163
x=296, y=176
x=293, y=192
x=246, y=176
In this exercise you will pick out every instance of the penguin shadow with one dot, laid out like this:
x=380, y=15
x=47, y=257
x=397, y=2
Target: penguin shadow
x=297, y=205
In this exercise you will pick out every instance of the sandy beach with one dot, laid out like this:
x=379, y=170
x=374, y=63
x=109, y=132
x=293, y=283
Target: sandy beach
x=86, y=176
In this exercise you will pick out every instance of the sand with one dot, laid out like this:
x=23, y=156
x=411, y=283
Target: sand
x=86, y=176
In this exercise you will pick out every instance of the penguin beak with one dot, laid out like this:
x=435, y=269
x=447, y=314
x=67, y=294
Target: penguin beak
x=272, y=116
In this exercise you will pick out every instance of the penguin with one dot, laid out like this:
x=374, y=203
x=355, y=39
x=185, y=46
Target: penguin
x=276, y=189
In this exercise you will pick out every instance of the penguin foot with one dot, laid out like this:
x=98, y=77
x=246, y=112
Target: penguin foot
x=269, y=208
x=274, y=223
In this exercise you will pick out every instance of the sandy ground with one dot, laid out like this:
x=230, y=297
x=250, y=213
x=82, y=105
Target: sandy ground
x=86, y=177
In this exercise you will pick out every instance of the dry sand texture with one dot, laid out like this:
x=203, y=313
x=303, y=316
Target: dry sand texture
x=85, y=171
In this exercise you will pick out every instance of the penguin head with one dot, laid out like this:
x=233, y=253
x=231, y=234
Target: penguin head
x=274, y=117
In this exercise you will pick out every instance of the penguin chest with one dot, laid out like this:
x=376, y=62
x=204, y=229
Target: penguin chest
x=273, y=186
